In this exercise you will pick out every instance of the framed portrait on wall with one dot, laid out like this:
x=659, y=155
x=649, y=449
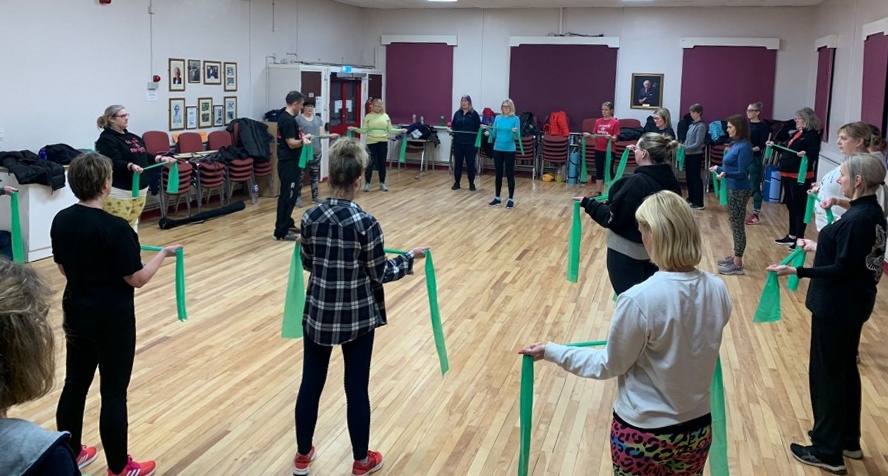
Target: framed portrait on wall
x=177, y=114
x=205, y=112
x=230, y=109
x=218, y=115
x=647, y=91
x=194, y=71
x=230, y=76
x=177, y=74
x=212, y=72
x=191, y=117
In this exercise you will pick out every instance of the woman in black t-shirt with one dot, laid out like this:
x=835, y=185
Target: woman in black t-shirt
x=99, y=255
x=847, y=268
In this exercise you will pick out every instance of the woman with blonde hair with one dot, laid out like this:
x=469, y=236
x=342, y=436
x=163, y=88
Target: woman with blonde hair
x=377, y=125
x=844, y=280
x=663, y=344
x=128, y=157
x=660, y=123
x=27, y=368
x=504, y=132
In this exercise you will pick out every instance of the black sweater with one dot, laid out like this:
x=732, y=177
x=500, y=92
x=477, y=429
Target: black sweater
x=469, y=122
x=848, y=265
x=758, y=135
x=809, y=141
x=626, y=195
x=123, y=148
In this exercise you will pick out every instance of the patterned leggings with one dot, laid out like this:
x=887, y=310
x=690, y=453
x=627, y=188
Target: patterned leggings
x=641, y=453
x=130, y=209
x=737, y=200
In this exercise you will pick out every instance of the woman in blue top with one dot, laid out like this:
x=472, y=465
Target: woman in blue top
x=504, y=131
x=465, y=119
x=735, y=170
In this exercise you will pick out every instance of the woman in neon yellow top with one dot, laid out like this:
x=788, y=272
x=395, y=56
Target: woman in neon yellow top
x=377, y=125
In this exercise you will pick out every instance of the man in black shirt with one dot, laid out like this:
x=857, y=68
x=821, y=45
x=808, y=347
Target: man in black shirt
x=289, y=145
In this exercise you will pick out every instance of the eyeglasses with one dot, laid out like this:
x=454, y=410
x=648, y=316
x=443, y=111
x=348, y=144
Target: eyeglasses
x=752, y=110
x=122, y=116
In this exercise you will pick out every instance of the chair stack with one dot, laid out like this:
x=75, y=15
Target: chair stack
x=186, y=173
x=620, y=145
x=555, y=150
x=715, y=156
x=238, y=171
x=529, y=158
x=261, y=168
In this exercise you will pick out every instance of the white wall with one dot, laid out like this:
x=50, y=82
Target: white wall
x=65, y=61
x=649, y=43
x=845, y=19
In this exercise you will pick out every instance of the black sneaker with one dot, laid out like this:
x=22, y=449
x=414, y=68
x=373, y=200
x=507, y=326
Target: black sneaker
x=785, y=241
x=495, y=202
x=853, y=453
x=455, y=186
x=806, y=455
x=291, y=236
x=510, y=204
x=472, y=186
x=697, y=207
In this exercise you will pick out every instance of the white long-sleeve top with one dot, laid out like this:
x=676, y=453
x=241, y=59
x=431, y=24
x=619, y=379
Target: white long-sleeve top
x=662, y=346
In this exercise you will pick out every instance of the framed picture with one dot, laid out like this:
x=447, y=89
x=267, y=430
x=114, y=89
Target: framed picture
x=205, y=112
x=177, y=114
x=177, y=74
x=647, y=91
x=194, y=71
x=230, y=109
x=212, y=73
x=191, y=117
x=230, y=76
x=218, y=115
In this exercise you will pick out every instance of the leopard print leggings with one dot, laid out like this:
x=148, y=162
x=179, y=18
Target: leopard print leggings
x=641, y=453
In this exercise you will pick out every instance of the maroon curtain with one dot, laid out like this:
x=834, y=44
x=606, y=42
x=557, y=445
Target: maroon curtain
x=419, y=80
x=875, y=76
x=575, y=79
x=726, y=79
x=826, y=58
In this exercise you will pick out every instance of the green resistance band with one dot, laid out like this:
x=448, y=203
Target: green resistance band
x=720, y=189
x=813, y=198
x=768, y=309
x=509, y=130
x=680, y=158
x=172, y=183
x=294, y=303
x=621, y=169
x=180, y=279
x=573, y=249
x=803, y=167
x=18, y=245
x=718, y=451
x=437, y=328
x=305, y=155
x=477, y=134
x=584, y=174
x=793, y=282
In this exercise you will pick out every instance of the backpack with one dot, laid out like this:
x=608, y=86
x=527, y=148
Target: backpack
x=556, y=124
x=61, y=154
x=528, y=124
x=487, y=116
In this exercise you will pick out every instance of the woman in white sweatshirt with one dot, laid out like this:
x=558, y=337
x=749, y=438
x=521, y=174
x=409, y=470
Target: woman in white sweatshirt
x=663, y=344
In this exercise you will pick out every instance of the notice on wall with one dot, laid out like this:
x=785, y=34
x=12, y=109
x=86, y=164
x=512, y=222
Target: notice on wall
x=348, y=105
x=151, y=96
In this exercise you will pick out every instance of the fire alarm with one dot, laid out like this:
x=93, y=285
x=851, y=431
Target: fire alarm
x=156, y=77
x=105, y=2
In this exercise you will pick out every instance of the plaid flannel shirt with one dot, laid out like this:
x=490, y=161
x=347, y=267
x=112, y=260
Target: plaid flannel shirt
x=342, y=247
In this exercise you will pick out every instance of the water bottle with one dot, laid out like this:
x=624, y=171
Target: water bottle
x=254, y=193
x=443, y=122
x=422, y=119
x=414, y=119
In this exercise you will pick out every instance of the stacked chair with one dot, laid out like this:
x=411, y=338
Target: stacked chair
x=238, y=171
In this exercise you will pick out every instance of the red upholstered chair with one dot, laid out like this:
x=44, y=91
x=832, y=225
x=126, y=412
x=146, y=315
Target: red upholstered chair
x=189, y=142
x=529, y=158
x=620, y=146
x=261, y=168
x=210, y=174
x=715, y=155
x=157, y=142
x=219, y=139
x=589, y=126
x=555, y=151
x=186, y=177
x=239, y=171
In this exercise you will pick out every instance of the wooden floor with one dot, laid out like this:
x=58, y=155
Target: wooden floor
x=215, y=395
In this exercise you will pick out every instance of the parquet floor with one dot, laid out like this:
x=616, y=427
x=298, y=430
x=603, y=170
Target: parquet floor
x=215, y=395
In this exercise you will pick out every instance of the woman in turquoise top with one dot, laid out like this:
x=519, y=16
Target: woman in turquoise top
x=504, y=132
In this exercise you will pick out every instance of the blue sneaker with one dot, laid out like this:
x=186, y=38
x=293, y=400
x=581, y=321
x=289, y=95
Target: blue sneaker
x=510, y=204
x=495, y=203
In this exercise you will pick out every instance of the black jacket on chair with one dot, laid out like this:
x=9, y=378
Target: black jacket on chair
x=28, y=168
x=253, y=136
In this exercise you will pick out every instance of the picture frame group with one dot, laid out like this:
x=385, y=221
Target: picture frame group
x=213, y=73
x=205, y=114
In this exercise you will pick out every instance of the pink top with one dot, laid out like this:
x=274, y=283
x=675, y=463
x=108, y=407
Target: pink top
x=610, y=127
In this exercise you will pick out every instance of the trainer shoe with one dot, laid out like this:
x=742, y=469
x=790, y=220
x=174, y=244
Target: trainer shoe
x=806, y=455
x=853, y=453
x=753, y=219
x=731, y=269
x=383, y=187
x=697, y=207
x=301, y=462
x=495, y=202
x=87, y=455
x=472, y=187
x=373, y=464
x=510, y=204
x=132, y=468
x=726, y=261
x=367, y=187
x=785, y=241
x=455, y=186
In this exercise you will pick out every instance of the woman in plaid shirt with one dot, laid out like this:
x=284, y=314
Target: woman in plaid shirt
x=342, y=246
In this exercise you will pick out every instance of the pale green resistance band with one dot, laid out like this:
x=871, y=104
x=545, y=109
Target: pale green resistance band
x=768, y=309
x=180, y=279
x=18, y=244
x=172, y=182
x=803, y=167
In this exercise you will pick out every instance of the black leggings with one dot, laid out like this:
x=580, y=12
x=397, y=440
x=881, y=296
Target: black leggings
x=601, y=165
x=795, y=195
x=464, y=152
x=315, y=361
x=693, y=163
x=625, y=272
x=378, y=154
x=504, y=162
x=109, y=343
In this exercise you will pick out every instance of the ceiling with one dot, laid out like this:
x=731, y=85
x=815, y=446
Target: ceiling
x=575, y=3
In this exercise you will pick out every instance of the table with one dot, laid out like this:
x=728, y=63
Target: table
x=38, y=206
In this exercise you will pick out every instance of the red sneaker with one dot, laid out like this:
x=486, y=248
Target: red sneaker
x=753, y=219
x=132, y=468
x=373, y=464
x=301, y=462
x=87, y=455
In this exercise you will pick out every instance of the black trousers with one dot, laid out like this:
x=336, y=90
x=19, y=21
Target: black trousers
x=290, y=175
x=834, y=381
x=625, y=272
x=315, y=362
x=464, y=152
x=378, y=154
x=795, y=196
x=693, y=164
x=505, y=164
x=107, y=342
x=601, y=165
